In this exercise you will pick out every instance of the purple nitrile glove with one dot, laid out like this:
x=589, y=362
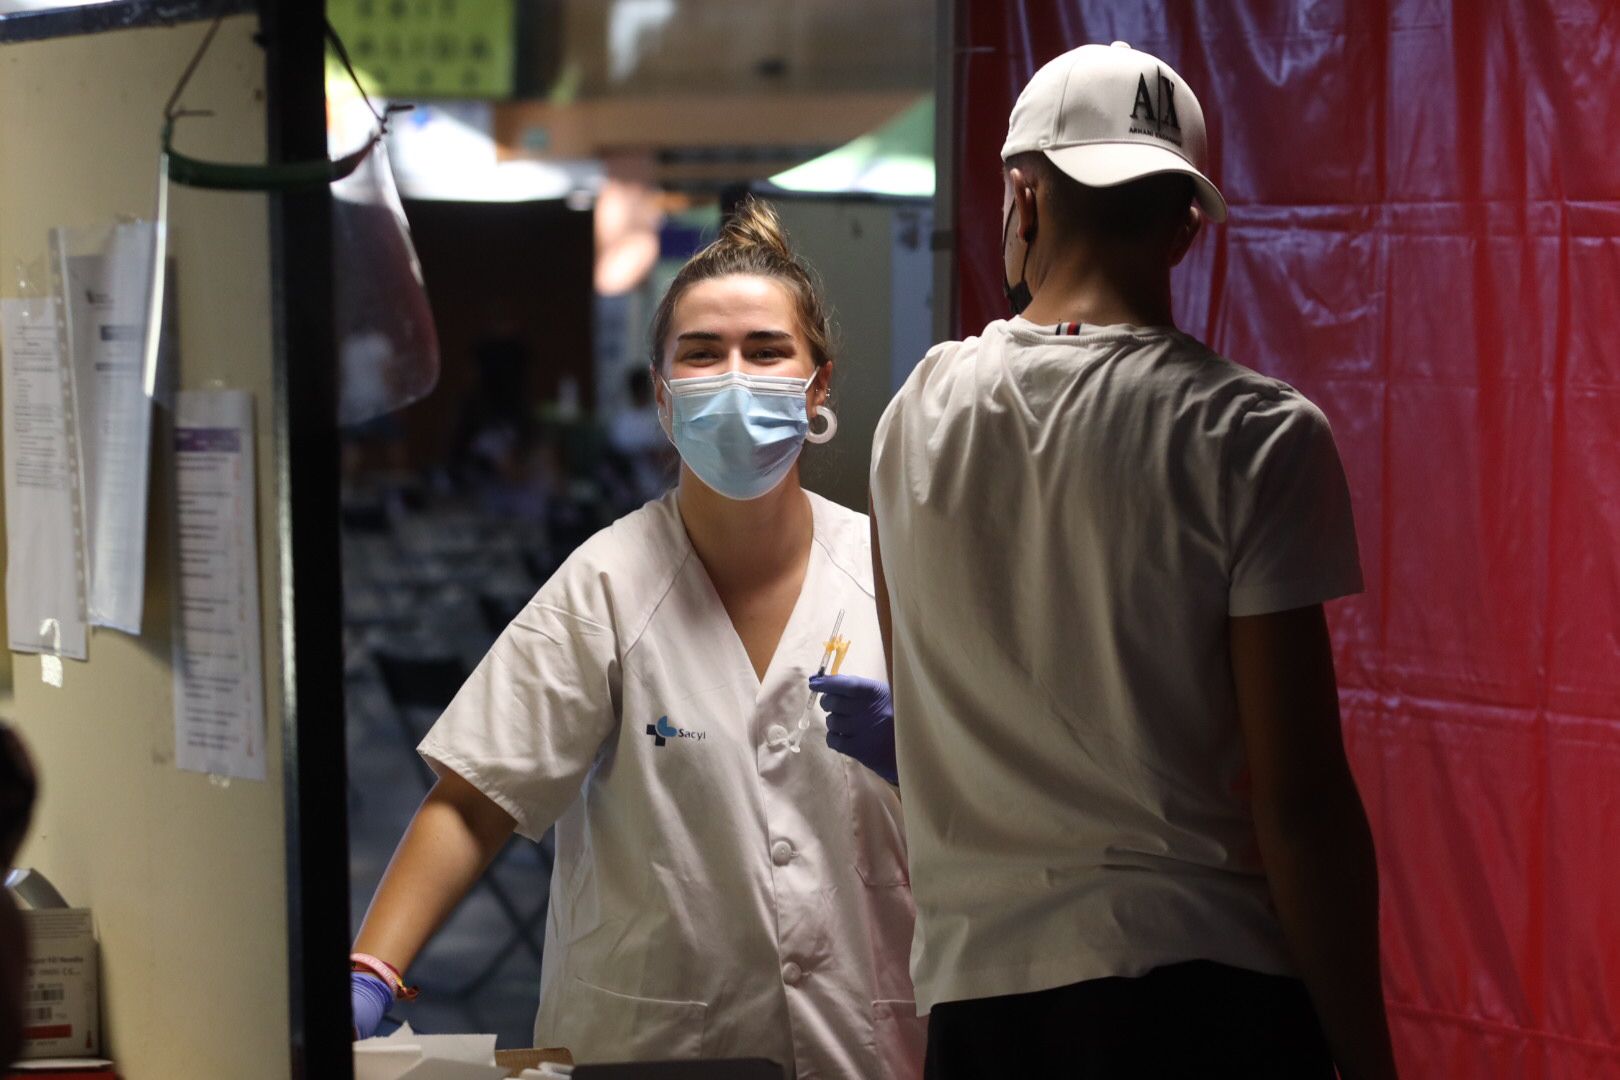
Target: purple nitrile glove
x=369, y=998
x=860, y=720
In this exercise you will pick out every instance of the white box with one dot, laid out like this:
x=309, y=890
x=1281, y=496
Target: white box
x=63, y=1013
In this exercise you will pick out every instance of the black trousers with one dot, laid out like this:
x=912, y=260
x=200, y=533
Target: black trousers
x=1198, y=1019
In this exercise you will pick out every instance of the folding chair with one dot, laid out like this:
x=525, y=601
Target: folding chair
x=417, y=685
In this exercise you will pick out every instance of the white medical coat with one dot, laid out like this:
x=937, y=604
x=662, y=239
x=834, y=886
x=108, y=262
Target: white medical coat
x=715, y=894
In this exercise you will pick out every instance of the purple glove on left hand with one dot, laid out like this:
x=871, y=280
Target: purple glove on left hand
x=860, y=720
x=369, y=997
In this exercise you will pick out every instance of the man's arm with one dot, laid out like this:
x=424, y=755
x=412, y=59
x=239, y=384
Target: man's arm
x=1312, y=829
x=881, y=588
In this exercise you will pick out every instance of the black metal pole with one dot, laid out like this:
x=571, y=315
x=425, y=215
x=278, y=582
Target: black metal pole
x=314, y=769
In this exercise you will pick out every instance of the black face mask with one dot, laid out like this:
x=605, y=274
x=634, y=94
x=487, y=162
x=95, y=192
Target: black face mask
x=1018, y=296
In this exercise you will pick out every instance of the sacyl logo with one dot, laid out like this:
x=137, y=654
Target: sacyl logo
x=1159, y=111
x=663, y=731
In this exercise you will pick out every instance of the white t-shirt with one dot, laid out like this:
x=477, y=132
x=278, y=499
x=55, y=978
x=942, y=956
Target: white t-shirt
x=1068, y=516
x=715, y=894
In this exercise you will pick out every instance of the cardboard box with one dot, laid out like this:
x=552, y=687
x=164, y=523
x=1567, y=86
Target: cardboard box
x=62, y=1004
x=515, y=1061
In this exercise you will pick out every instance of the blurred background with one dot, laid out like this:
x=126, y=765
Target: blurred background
x=562, y=159
x=1424, y=238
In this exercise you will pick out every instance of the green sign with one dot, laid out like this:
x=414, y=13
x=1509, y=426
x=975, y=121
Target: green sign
x=429, y=48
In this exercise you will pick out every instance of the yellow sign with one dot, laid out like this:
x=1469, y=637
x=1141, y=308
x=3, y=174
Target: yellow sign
x=429, y=48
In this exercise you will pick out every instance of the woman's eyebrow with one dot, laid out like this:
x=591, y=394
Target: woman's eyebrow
x=753, y=335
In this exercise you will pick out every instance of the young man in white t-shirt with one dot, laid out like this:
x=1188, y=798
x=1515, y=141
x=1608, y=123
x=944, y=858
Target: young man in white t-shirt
x=1136, y=846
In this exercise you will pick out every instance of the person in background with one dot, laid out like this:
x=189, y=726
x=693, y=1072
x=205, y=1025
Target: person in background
x=724, y=887
x=1102, y=553
x=641, y=451
x=496, y=415
x=18, y=788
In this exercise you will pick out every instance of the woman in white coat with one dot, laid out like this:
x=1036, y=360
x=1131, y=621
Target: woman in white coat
x=717, y=892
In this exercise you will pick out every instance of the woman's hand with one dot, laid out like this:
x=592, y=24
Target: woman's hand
x=860, y=720
x=369, y=997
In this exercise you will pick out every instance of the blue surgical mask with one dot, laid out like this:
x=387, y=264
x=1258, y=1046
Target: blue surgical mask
x=739, y=433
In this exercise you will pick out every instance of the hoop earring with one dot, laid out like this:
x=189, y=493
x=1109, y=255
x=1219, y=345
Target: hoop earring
x=826, y=433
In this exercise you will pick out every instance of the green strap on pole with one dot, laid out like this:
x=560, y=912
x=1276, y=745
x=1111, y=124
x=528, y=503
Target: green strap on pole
x=288, y=176
x=292, y=176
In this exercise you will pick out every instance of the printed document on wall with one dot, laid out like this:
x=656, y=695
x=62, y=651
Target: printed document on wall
x=218, y=679
x=105, y=276
x=44, y=548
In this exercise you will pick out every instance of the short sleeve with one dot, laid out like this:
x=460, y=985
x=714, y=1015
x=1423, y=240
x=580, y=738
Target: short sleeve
x=888, y=436
x=1291, y=533
x=880, y=445
x=526, y=727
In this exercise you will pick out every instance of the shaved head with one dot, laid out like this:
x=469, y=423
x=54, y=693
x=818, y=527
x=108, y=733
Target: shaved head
x=1147, y=211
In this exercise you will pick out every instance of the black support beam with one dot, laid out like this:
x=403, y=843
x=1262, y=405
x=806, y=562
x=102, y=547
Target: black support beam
x=307, y=450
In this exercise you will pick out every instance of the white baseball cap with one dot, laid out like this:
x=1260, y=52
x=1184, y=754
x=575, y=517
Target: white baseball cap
x=1107, y=114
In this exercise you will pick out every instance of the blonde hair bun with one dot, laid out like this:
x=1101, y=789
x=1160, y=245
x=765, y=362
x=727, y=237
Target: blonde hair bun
x=754, y=224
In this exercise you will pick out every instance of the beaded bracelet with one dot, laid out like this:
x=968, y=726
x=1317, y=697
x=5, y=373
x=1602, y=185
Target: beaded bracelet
x=385, y=971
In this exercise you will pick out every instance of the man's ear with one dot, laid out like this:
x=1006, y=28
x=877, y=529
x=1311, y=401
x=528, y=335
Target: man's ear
x=1186, y=233
x=1024, y=203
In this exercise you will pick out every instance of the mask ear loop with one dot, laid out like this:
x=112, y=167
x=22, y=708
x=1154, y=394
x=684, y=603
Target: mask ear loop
x=666, y=408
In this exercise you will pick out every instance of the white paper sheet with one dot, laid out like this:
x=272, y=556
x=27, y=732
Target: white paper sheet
x=218, y=678
x=106, y=296
x=441, y=1069
x=44, y=557
x=407, y=1055
x=473, y=1049
x=387, y=1061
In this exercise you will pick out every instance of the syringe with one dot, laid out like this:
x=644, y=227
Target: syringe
x=834, y=654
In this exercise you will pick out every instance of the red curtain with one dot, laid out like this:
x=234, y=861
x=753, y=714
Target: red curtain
x=1425, y=239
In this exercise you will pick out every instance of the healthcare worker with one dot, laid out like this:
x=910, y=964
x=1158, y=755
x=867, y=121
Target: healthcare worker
x=1137, y=848
x=725, y=885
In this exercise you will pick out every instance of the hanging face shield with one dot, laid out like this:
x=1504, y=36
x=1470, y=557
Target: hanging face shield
x=388, y=348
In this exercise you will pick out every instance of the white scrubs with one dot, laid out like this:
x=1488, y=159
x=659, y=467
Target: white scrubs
x=715, y=894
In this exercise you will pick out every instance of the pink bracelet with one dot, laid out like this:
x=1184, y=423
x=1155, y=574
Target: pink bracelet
x=385, y=971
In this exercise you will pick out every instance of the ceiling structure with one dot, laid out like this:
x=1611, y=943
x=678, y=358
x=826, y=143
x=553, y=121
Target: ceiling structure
x=709, y=93
x=693, y=96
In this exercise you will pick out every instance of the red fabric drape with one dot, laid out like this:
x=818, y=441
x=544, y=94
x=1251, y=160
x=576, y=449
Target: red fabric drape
x=1425, y=239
